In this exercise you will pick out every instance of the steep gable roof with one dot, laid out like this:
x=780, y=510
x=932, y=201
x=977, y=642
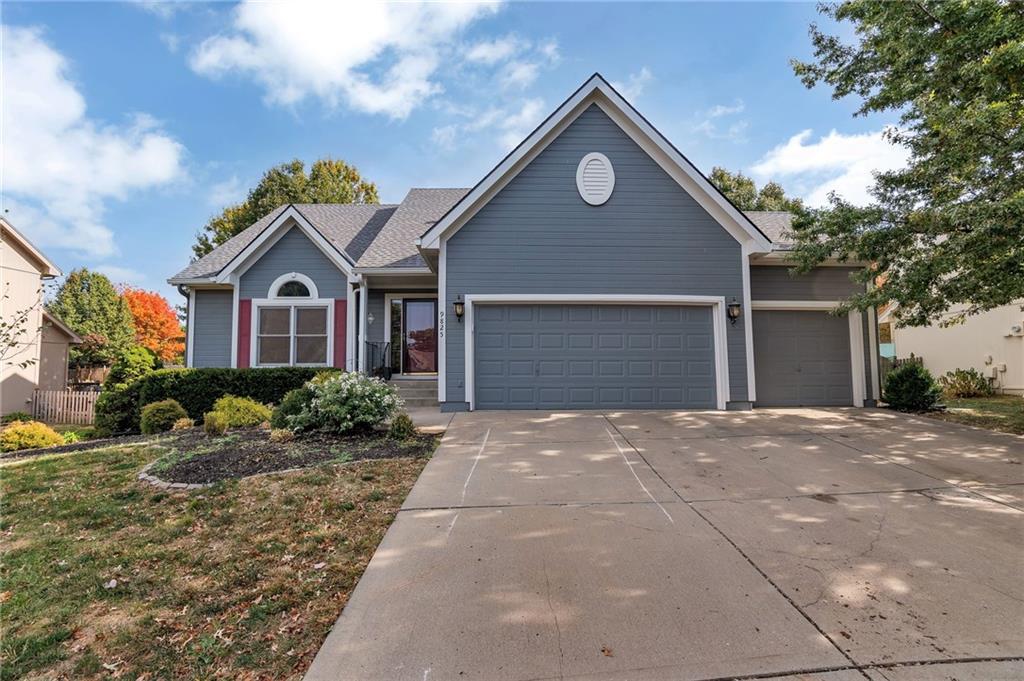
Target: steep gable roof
x=596, y=90
x=350, y=228
x=47, y=268
x=775, y=224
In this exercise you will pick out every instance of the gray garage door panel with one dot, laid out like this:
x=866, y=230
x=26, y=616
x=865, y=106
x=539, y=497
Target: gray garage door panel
x=593, y=356
x=802, y=358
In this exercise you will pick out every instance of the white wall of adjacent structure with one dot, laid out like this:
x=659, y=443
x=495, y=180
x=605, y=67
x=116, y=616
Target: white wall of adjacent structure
x=991, y=342
x=20, y=279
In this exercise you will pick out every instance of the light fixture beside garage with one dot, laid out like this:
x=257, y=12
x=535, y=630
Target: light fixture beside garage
x=595, y=178
x=460, y=307
x=733, y=310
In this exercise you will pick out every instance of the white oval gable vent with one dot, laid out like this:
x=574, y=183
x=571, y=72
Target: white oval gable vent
x=595, y=178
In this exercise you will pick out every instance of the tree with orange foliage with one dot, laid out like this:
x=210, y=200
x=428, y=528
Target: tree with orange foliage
x=156, y=325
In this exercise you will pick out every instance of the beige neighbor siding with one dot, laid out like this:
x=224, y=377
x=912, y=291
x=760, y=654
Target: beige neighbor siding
x=20, y=280
x=984, y=342
x=53, y=360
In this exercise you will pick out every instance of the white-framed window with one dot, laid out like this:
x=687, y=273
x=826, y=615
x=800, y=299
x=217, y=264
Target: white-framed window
x=292, y=326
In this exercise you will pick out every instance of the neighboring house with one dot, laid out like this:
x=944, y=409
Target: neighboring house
x=42, y=341
x=593, y=267
x=991, y=342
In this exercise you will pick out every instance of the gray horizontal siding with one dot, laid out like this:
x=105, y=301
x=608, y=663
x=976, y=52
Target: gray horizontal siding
x=294, y=252
x=823, y=283
x=537, y=235
x=211, y=338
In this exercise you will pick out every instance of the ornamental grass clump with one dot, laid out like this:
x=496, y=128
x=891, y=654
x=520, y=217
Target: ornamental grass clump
x=346, y=402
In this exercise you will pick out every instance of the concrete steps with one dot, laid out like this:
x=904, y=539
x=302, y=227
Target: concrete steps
x=417, y=392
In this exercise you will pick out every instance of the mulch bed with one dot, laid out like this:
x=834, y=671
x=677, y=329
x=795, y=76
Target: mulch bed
x=195, y=457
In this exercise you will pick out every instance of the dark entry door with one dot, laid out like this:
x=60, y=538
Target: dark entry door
x=419, y=336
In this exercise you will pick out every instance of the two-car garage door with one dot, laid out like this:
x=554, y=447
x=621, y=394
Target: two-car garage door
x=554, y=356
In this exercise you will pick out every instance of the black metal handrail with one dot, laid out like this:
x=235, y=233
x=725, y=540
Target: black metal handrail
x=378, y=359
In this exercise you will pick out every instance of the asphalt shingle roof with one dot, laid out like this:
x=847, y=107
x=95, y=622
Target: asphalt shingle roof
x=774, y=223
x=385, y=235
x=395, y=245
x=349, y=227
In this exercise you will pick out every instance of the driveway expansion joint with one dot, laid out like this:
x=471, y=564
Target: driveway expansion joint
x=749, y=560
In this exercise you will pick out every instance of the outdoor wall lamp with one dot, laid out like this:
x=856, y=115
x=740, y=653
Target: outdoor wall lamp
x=733, y=310
x=460, y=308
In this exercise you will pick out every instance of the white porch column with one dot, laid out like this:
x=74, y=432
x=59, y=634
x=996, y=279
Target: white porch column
x=364, y=300
x=350, y=328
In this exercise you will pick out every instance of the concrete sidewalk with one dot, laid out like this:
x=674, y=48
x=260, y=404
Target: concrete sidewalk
x=810, y=544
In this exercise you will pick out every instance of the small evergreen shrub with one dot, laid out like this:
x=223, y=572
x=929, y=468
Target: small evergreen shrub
x=402, y=427
x=241, y=412
x=28, y=435
x=910, y=387
x=161, y=416
x=15, y=416
x=344, y=402
x=966, y=383
x=215, y=423
x=281, y=435
x=71, y=437
x=291, y=405
x=184, y=423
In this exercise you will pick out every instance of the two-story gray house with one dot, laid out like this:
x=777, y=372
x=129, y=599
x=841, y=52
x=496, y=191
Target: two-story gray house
x=593, y=267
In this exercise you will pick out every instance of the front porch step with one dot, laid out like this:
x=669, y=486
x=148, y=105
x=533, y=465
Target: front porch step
x=417, y=392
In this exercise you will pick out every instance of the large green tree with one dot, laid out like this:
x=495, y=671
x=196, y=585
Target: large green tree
x=948, y=230
x=745, y=195
x=328, y=181
x=89, y=304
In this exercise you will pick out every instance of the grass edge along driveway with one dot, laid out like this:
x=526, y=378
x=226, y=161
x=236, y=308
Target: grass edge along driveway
x=103, y=575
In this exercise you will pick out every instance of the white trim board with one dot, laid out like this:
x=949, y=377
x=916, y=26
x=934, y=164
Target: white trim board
x=598, y=91
x=858, y=378
x=748, y=325
x=442, y=320
x=717, y=303
x=190, y=330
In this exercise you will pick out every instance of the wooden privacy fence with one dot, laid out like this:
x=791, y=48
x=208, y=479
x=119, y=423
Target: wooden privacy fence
x=64, y=406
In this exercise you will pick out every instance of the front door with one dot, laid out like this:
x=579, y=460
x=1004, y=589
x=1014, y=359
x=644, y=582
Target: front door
x=419, y=336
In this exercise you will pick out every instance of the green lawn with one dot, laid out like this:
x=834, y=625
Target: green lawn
x=1003, y=412
x=105, y=576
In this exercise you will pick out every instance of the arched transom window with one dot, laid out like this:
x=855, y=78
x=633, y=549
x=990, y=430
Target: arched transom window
x=292, y=325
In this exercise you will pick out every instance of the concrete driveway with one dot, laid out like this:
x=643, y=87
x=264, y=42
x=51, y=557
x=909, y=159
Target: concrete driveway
x=800, y=544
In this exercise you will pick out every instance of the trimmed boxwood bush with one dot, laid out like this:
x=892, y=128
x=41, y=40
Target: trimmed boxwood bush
x=159, y=417
x=215, y=423
x=291, y=405
x=910, y=387
x=28, y=435
x=241, y=411
x=118, y=411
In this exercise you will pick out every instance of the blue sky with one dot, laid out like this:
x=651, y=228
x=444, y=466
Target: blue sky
x=127, y=126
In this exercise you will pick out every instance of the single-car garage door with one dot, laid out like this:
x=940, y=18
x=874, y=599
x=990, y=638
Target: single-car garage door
x=593, y=356
x=802, y=358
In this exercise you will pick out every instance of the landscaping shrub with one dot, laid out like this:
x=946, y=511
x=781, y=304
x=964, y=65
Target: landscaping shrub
x=966, y=383
x=910, y=387
x=346, y=401
x=184, y=423
x=215, y=423
x=402, y=427
x=28, y=435
x=291, y=405
x=281, y=435
x=71, y=437
x=118, y=411
x=135, y=363
x=159, y=417
x=241, y=411
x=16, y=416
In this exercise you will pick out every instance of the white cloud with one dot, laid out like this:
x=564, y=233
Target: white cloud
x=227, y=193
x=444, y=136
x=510, y=124
x=494, y=51
x=520, y=74
x=61, y=167
x=375, y=57
x=165, y=9
x=516, y=125
x=635, y=84
x=719, y=110
x=122, y=275
x=837, y=162
x=171, y=41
